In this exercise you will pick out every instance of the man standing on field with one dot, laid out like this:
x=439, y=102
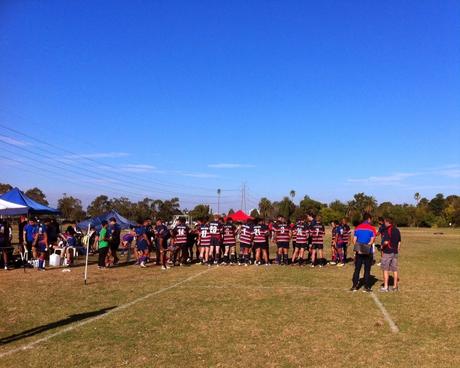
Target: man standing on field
x=391, y=244
x=363, y=239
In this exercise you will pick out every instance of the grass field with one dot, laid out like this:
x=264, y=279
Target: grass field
x=236, y=316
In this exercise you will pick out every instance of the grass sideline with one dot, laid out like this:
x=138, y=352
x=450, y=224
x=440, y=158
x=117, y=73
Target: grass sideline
x=238, y=316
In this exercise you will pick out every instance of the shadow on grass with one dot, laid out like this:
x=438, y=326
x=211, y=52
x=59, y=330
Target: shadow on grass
x=63, y=322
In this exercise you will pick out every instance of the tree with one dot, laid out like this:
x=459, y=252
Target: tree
x=99, y=205
x=265, y=208
x=292, y=193
x=254, y=213
x=360, y=204
x=417, y=197
x=71, y=208
x=308, y=205
x=4, y=187
x=37, y=195
x=437, y=204
x=286, y=208
x=200, y=211
x=169, y=208
x=339, y=208
x=124, y=207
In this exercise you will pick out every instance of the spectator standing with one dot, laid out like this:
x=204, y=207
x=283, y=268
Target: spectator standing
x=363, y=240
x=114, y=231
x=103, y=245
x=391, y=245
x=4, y=241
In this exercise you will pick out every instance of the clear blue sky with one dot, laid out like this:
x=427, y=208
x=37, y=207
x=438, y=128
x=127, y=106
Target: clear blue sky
x=328, y=98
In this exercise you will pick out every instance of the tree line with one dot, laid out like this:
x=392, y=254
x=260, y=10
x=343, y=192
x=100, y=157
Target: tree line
x=439, y=211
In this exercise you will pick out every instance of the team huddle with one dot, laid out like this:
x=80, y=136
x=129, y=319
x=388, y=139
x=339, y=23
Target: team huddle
x=215, y=242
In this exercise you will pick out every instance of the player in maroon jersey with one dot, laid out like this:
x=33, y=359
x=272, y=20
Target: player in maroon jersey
x=229, y=241
x=245, y=233
x=317, y=232
x=282, y=238
x=335, y=257
x=261, y=234
x=204, y=239
x=215, y=229
x=301, y=234
x=180, y=238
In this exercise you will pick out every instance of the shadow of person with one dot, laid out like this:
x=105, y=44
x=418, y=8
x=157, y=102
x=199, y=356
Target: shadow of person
x=63, y=322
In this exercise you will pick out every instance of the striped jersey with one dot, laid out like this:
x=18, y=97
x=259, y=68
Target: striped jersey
x=281, y=232
x=180, y=233
x=301, y=233
x=334, y=233
x=317, y=232
x=260, y=233
x=343, y=234
x=215, y=228
x=229, y=234
x=246, y=234
x=205, y=236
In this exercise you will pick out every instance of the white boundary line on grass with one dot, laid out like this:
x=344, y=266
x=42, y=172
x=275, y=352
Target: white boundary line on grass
x=85, y=322
x=385, y=313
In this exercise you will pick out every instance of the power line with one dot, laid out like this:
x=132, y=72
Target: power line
x=93, y=161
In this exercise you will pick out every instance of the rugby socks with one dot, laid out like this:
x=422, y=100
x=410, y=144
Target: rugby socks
x=285, y=259
x=278, y=260
x=41, y=261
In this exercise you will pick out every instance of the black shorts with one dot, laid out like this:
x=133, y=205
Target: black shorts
x=317, y=246
x=301, y=246
x=284, y=245
x=215, y=242
x=263, y=245
x=4, y=245
x=245, y=245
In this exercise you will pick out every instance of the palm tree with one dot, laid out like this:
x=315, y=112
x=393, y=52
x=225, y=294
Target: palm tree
x=292, y=193
x=265, y=207
x=417, y=197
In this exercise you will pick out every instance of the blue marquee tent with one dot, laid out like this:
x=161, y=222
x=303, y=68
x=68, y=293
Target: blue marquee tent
x=97, y=221
x=31, y=207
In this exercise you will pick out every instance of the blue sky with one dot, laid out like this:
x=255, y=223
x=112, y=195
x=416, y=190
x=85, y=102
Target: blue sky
x=164, y=98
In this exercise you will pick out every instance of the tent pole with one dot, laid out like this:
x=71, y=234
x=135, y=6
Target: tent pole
x=87, y=253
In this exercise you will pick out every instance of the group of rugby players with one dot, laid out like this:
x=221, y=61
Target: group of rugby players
x=215, y=242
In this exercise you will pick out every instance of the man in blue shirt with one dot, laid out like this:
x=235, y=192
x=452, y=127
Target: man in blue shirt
x=29, y=236
x=362, y=240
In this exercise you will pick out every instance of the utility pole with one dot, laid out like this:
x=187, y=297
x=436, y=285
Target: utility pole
x=243, y=197
x=218, y=201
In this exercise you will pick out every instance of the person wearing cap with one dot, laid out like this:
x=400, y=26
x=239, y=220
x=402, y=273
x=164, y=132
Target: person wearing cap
x=114, y=231
x=103, y=245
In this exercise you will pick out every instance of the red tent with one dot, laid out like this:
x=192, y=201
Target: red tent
x=239, y=216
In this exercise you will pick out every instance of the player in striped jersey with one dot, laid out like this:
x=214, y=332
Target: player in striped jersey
x=180, y=238
x=245, y=234
x=317, y=232
x=334, y=253
x=215, y=229
x=261, y=234
x=282, y=238
x=343, y=238
x=300, y=234
x=204, y=239
x=229, y=241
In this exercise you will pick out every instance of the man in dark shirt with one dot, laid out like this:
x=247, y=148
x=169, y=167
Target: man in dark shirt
x=113, y=233
x=391, y=245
